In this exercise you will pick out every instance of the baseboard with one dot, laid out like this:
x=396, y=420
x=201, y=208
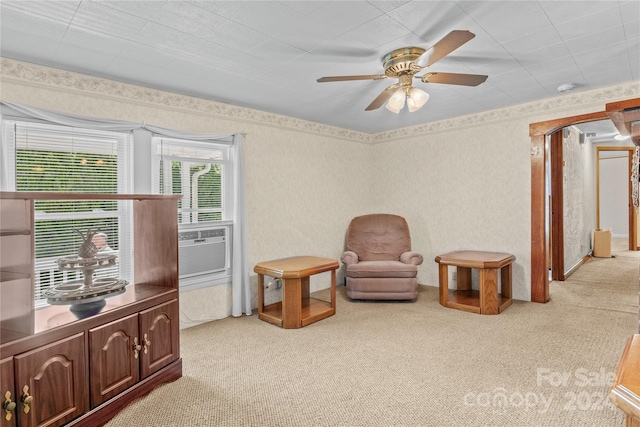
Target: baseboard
x=576, y=266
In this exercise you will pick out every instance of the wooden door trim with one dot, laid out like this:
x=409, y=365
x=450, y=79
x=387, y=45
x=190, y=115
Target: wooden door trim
x=557, y=205
x=538, y=133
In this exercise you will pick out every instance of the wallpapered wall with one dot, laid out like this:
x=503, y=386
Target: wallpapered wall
x=578, y=198
x=465, y=188
x=462, y=183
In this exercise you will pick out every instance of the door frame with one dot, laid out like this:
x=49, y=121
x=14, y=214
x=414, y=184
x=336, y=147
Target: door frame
x=538, y=133
x=556, y=205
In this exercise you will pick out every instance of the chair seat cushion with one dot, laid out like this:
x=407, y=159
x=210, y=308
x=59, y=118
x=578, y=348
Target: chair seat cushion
x=382, y=269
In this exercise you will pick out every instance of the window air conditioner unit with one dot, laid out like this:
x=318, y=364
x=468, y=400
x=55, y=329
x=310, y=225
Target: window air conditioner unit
x=202, y=251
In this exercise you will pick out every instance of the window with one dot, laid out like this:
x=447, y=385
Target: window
x=46, y=157
x=200, y=171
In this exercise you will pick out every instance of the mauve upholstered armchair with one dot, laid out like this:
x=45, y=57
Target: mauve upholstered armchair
x=379, y=260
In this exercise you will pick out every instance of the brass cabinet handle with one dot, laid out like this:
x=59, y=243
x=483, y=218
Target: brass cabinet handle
x=136, y=347
x=8, y=406
x=26, y=399
x=146, y=343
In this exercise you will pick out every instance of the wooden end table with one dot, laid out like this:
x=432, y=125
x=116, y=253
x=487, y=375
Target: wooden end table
x=487, y=300
x=297, y=308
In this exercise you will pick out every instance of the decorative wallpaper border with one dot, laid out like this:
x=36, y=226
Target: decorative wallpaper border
x=593, y=97
x=41, y=75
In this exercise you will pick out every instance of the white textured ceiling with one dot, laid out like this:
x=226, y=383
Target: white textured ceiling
x=267, y=55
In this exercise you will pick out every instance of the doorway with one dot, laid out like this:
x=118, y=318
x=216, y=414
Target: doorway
x=588, y=185
x=614, y=203
x=622, y=114
x=539, y=236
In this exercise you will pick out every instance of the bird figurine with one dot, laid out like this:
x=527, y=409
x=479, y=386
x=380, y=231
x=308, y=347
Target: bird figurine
x=87, y=248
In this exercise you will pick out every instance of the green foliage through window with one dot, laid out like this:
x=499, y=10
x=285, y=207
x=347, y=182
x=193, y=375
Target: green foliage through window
x=38, y=170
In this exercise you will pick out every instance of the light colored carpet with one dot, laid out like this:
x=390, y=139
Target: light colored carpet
x=411, y=364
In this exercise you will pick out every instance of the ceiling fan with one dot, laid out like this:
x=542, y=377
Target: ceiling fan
x=405, y=63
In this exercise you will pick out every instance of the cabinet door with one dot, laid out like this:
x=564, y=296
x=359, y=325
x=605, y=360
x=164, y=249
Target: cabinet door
x=113, y=358
x=159, y=330
x=7, y=386
x=54, y=377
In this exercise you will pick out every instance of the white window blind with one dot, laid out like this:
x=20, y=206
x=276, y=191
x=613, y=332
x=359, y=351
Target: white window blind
x=47, y=157
x=200, y=171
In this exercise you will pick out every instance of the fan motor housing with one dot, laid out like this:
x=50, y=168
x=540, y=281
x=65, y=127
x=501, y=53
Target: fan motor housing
x=401, y=61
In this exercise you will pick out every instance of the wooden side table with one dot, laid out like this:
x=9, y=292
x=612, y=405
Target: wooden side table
x=625, y=393
x=297, y=308
x=487, y=300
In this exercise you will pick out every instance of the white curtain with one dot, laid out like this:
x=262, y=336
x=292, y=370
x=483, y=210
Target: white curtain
x=241, y=291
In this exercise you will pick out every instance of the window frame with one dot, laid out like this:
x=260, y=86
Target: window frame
x=47, y=266
x=158, y=155
x=227, y=189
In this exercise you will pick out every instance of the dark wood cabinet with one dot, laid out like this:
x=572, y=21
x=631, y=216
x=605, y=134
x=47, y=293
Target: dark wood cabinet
x=159, y=327
x=127, y=350
x=113, y=358
x=7, y=385
x=16, y=268
x=59, y=370
x=81, y=372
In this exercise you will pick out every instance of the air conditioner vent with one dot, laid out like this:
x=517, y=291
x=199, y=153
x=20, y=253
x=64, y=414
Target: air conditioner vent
x=202, y=251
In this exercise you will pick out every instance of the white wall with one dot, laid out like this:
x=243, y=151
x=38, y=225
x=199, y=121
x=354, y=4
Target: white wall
x=614, y=192
x=462, y=183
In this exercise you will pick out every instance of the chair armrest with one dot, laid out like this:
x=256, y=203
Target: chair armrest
x=349, y=257
x=411, y=258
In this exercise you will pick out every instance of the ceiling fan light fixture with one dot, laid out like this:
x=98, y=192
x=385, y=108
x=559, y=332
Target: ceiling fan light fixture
x=416, y=99
x=396, y=102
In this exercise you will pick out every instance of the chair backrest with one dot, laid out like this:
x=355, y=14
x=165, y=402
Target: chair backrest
x=378, y=237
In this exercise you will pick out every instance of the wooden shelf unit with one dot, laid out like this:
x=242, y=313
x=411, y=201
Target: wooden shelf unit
x=469, y=300
x=101, y=363
x=311, y=311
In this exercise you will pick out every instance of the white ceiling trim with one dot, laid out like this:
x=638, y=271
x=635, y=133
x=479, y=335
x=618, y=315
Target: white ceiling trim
x=27, y=73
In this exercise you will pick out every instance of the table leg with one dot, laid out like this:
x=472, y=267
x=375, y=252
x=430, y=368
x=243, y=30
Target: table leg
x=333, y=289
x=443, y=274
x=304, y=287
x=464, y=279
x=506, y=275
x=292, y=304
x=489, y=291
x=260, y=293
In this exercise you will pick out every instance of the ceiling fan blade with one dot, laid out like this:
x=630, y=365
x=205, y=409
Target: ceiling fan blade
x=445, y=46
x=382, y=98
x=454, y=78
x=348, y=78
